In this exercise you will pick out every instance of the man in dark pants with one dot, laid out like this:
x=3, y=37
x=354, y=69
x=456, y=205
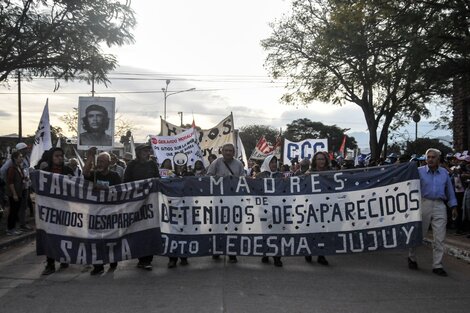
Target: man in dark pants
x=142, y=168
x=102, y=177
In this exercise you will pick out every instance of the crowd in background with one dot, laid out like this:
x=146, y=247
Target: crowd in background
x=106, y=169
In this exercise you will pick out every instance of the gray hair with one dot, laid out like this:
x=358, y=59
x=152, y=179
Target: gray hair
x=436, y=151
x=108, y=156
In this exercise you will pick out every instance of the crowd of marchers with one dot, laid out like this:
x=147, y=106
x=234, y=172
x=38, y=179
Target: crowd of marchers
x=445, y=187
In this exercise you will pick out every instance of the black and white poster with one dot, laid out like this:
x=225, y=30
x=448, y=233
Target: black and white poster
x=96, y=122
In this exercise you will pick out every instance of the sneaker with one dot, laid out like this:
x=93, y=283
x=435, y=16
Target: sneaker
x=148, y=266
x=48, y=270
x=232, y=259
x=64, y=265
x=265, y=260
x=97, y=270
x=184, y=261
x=277, y=261
x=26, y=227
x=216, y=257
x=140, y=265
x=308, y=258
x=10, y=232
x=112, y=266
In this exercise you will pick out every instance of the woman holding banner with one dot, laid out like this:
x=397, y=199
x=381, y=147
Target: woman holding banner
x=269, y=170
x=320, y=162
x=56, y=164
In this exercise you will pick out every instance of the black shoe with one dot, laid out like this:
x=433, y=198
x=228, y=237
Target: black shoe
x=48, y=270
x=216, y=257
x=112, y=266
x=148, y=266
x=412, y=265
x=64, y=265
x=308, y=258
x=439, y=271
x=277, y=261
x=140, y=264
x=322, y=260
x=265, y=260
x=184, y=261
x=232, y=259
x=172, y=263
x=97, y=270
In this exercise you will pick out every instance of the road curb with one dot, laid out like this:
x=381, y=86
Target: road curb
x=452, y=250
x=17, y=240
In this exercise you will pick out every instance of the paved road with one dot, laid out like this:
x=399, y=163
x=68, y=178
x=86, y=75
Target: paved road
x=379, y=282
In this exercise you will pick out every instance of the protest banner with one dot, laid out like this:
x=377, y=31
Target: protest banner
x=304, y=149
x=166, y=147
x=210, y=140
x=324, y=213
x=78, y=224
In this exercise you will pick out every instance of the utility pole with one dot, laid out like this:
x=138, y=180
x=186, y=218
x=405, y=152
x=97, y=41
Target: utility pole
x=181, y=116
x=20, y=134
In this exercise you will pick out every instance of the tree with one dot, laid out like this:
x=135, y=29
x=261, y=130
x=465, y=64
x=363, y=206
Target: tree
x=420, y=146
x=304, y=128
x=62, y=38
x=368, y=52
x=252, y=133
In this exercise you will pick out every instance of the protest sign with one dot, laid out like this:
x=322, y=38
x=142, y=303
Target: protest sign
x=304, y=149
x=166, y=147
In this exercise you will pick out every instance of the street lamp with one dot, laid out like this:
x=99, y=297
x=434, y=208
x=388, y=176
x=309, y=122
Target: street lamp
x=166, y=95
x=416, y=119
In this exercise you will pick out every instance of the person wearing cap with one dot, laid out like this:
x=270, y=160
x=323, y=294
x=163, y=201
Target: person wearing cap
x=95, y=123
x=436, y=192
x=142, y=168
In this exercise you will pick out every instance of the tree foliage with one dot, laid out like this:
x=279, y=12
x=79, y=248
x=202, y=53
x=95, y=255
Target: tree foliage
x=304, y=128
x=62, y=38
x=373, y=53
x=252, y=133
x=420, y=146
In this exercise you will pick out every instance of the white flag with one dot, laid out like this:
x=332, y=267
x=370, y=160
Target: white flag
x=42, y=139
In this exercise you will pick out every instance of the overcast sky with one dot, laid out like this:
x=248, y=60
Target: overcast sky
x=210, y=45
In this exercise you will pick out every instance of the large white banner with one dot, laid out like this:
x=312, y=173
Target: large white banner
x=324, y=213
x=165, y=147
x=210, y=140
x=304, y=149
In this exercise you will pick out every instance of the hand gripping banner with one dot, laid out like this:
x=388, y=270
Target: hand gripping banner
x=319, y=214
